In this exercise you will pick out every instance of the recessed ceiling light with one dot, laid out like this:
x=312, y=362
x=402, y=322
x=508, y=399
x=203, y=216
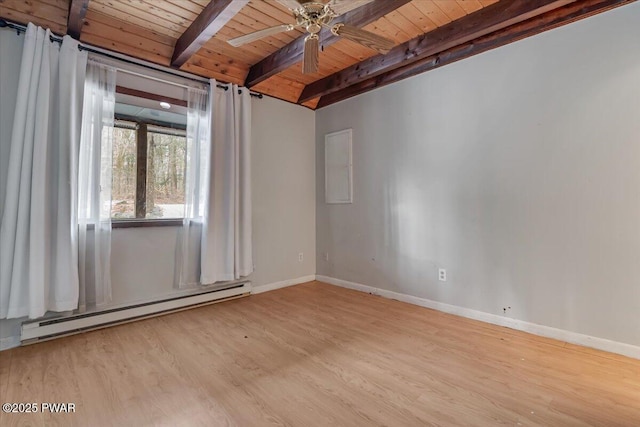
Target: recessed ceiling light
x=165, y=105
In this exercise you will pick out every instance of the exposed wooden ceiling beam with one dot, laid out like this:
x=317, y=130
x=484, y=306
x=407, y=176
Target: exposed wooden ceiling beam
x=292, y=53
x=485, y=21
x=547, y=21
x=213, y=17
x=151, y=96
x=75, y=20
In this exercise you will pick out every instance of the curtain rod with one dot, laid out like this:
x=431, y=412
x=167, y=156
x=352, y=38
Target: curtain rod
x=219, y=85
x=54, y=38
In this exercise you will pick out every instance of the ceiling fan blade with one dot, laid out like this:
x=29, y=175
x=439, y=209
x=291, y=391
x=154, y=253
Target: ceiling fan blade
x=248, y=38
x=343, y=6
x=365, y=38
x=290, y=4
x=311, y=50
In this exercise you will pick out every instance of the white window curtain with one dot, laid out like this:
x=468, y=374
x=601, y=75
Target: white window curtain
x=197, y=168
x=216, y=236
x=94, y=186
x=226, y=232
x=38, y=246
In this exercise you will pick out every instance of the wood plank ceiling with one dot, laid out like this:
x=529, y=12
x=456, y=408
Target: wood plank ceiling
x=427, y=34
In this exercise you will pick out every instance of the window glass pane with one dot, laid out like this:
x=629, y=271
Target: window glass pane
x=123, y=184
x=165, y=174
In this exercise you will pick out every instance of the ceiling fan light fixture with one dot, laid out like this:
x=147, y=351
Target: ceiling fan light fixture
x=313, y=28
x=313, y=16
x=336, y=29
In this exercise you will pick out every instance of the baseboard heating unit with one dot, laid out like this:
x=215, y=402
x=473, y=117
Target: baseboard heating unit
x=41, y=330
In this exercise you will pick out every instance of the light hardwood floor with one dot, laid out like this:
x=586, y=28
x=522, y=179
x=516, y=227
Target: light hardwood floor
x=318, y=355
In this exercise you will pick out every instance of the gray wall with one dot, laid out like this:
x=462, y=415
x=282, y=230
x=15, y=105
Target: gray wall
x=284, y=198
x=283, y=175
x=517, y=170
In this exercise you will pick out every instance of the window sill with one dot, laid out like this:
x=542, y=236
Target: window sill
x=136, y=223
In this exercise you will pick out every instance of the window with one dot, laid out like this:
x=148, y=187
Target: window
x=149, y=148
x=166, y=150
x=123, y=179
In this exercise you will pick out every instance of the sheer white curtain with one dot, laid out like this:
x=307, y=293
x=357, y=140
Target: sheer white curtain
x=216, y=236
x=94, y=186
x=197, y=169
x=38, y=246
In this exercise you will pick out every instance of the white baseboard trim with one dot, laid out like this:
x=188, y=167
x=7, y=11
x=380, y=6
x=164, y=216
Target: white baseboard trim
x=520, y=325
x=282, y=284
x=9, y=342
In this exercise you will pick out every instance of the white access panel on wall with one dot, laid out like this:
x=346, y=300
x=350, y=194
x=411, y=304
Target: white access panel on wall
x=338, y=172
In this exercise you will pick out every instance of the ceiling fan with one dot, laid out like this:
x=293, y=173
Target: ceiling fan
x=313, y=16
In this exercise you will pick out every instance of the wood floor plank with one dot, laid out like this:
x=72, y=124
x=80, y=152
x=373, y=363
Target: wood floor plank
x=5, y=369
x=25, y=386
x=319, y=355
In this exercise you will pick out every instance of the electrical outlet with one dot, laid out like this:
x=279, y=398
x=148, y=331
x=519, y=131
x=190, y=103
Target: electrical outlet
x=300, y=257
x=442, y=274
x=326, y=256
